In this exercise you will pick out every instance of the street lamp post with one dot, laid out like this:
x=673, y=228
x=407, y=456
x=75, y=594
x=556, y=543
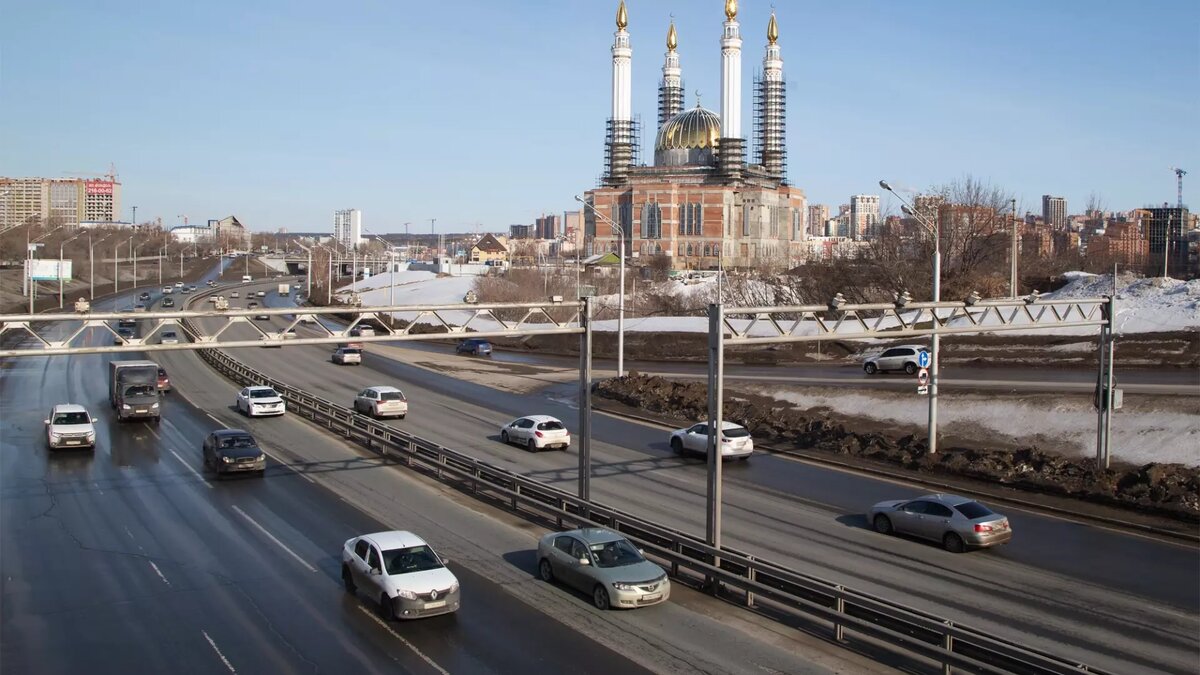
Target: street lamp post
x=621, y=296
x=307, y=269
x=92, y=266
x=934, y=339
x=61, y=248
x=116, y=270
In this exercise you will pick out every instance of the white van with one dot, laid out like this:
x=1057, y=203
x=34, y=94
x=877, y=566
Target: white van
x=246, y=279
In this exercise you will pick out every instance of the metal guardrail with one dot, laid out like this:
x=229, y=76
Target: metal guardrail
x=902, y=629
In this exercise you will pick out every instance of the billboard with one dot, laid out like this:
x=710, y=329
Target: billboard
x=98, y=187
x=47, y=270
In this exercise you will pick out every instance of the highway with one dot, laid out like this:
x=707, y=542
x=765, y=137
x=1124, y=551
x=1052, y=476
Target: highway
x=135, y=560
x=1105, y=597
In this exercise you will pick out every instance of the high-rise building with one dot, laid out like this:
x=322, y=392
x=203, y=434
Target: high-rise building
x=1054, y=211
x=546, y=227
x=347, y=227
x=1165, y=228
x=521, y=231
x=817, y=215
x=65, y=202
x=864, y=216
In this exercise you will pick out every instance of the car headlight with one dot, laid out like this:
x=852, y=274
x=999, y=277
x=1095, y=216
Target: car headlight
x=55, y=435
x=91, y=435
x=406, y=594
x=453, y=587
x=125, y=406
x=621, y=586
x=262, y=458
x=227, y=460
x=154, y=406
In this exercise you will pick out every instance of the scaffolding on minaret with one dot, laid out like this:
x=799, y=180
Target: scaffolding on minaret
x=770, y=114
x=670, y=102
x=622, y=149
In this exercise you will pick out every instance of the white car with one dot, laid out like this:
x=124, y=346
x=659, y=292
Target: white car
x=168, y=337
x=255, y=401
x=178, y=284
x=536, y=432
x=904, y=357
x=261, y=294
x=347, y=356
x=402, y=573
x=736, y=442
x=167, y=290
x=70, y=426
x=381, y=402
x=235, y=294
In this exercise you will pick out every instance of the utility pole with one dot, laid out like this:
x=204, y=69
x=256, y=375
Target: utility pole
x=1012, y=282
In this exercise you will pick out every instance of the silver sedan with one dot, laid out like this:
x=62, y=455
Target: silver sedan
x=958, y=523
x=605, y=565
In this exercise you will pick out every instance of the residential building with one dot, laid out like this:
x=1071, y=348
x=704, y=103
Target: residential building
x=572, y=224
x=488, y=249
x=347, y=228
x=1165, y=228
x=546, y=227
x=818, y=214
x=65, y=202
x=229, y=233
x=1122, y=243
x=925, y=207
x=521, y=231
x=864, y=216
x=1054, y=211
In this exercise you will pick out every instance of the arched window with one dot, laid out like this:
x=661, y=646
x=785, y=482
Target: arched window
x=708, y=250
x=682, y=215
x=681, y=250
x=697, y=219
x=689, y=250
x=657, y=248
x=716, y=249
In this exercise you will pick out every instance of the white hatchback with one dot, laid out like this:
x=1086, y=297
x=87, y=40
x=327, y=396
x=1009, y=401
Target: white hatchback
x=536, y=432
x=255, y=401
x=70, y=426
x=736, y=442
x=402, y=573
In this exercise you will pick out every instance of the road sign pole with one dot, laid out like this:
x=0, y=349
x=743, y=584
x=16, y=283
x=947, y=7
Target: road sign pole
x=585, y=401
x=716, y=386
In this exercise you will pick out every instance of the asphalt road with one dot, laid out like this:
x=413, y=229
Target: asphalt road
x=1106, y=598
x=134, y=560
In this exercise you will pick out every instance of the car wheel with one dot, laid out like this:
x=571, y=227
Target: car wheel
x=953, y=543
x=532, y=446
x=871, y=368
x=504, y=437
x=677, y=446
x=545, y=571
x=910, y=368
x=348, y=580
x=403, y=416
x=600, y=598
x=386, y=608
x=883, y=524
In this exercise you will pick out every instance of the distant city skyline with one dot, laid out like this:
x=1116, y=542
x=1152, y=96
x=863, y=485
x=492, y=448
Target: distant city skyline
x=474, y=112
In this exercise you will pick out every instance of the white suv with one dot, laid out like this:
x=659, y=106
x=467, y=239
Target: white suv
x=381, y=402
x=70, y=426
x=904, y=357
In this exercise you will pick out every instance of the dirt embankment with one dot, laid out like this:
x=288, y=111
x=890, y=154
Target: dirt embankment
x=1165, y=489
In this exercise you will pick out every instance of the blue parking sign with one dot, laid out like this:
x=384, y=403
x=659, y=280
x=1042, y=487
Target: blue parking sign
x=923, y=359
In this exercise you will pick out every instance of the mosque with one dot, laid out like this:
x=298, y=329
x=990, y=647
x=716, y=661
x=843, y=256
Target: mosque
x=701, y=203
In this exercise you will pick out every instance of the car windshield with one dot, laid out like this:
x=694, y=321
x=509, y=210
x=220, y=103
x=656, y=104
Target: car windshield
x=411, y=559
x=553, y=425
x=739, y=432
x=391, y=396
x=71, y=418
x=237, y=442
x=616, y=554
x=139, y=390
x=263, y=393
x=168, y=334
x=973, y=510
x=351, y=351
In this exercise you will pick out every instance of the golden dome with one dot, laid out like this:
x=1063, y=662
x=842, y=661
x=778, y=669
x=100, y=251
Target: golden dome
x=690, y=130
x=772, y=30
x=731, y=9
x=672, y=39
x=622, y=16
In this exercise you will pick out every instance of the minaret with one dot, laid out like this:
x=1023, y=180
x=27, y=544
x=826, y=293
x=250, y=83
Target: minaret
x=731, y=146
x=770, y=104
x=620, y=142
x=670, y=92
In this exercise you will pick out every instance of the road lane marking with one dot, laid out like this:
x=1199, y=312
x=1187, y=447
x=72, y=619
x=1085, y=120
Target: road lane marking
x=159, y=572
x=270, y=536
x=218, y=651
x=190, y=468
x=432, y=664
x=151, y=430
x=223, y=425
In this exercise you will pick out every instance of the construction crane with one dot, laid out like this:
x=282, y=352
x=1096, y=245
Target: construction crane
x=111, y=176
x=1179, y=174
x=184, y=219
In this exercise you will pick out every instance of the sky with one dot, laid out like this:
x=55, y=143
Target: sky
x=480, y=113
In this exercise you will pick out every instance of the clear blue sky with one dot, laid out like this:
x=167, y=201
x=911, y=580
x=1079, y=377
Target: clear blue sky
x=488, y=112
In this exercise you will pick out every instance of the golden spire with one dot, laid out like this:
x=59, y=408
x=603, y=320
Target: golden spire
x=672, y=39
x=731, y=9
x=772, y=30
x=622, y=16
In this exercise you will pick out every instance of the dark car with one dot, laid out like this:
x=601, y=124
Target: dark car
x=164, y=382
x=144, y=296
x=474, y=348
x=126, y=333
x=168, y=302
x=233, y=451
x=127, y=323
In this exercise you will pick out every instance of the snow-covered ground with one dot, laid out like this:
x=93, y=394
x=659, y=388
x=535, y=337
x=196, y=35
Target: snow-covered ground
x=1146, y=429
x=1143, y=305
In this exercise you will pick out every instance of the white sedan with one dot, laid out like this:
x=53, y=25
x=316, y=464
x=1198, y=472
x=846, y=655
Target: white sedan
x=401, y=572
x=536, y=432
x=736, y=442
x=255, y=401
